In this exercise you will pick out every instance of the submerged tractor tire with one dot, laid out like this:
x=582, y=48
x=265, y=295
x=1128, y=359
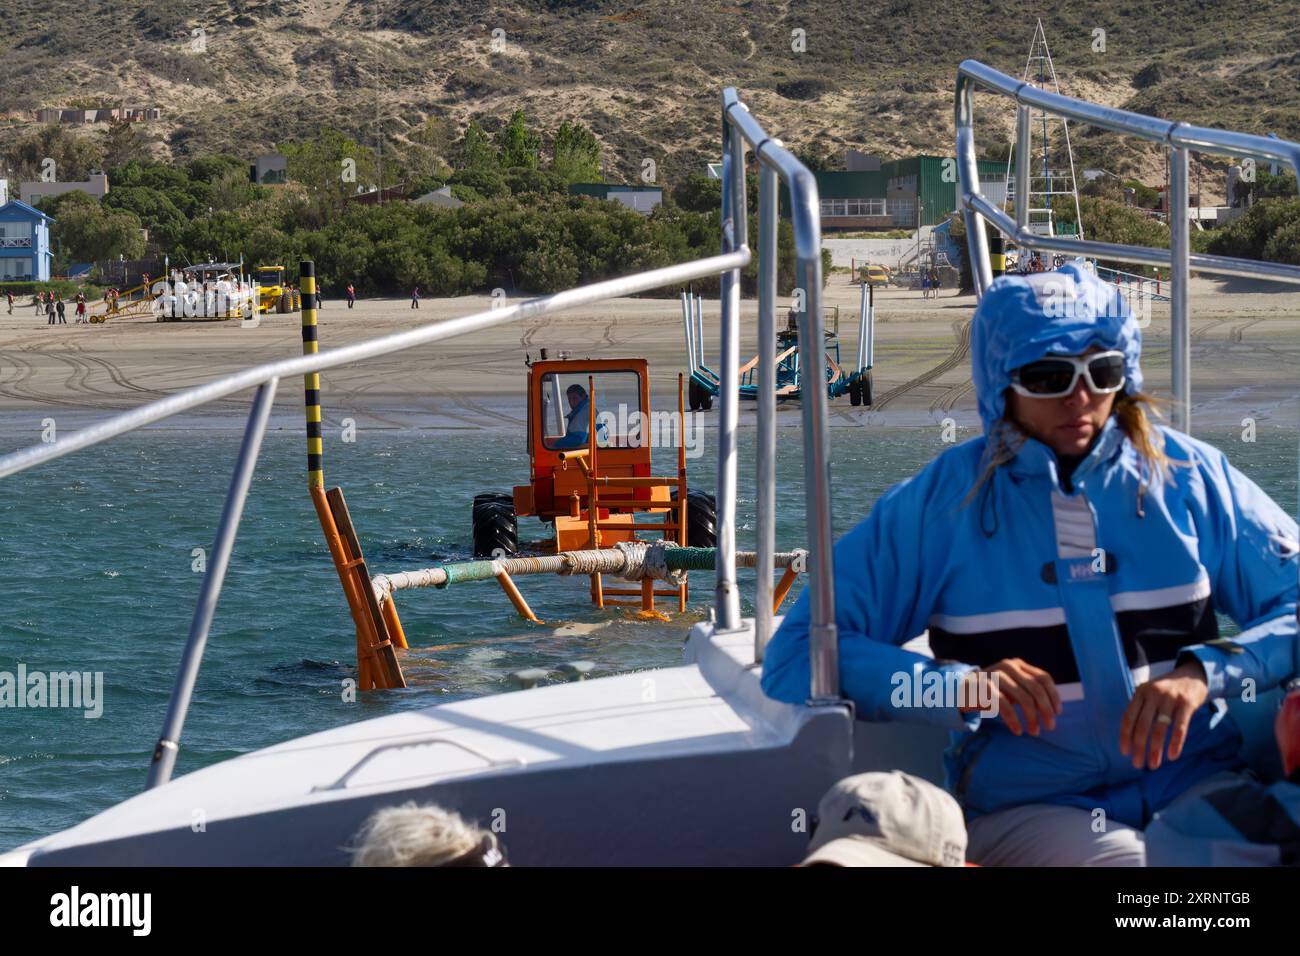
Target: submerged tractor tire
x=496, y=529
x=866, y=389
x=701, y=520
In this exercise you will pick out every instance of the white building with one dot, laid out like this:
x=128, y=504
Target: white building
x=96, y=185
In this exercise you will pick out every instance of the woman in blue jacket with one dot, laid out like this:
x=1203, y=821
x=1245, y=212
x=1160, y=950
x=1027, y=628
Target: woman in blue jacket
x=1067, y=563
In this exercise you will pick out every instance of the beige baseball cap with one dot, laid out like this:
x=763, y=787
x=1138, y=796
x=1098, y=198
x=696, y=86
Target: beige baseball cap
x=888, y=819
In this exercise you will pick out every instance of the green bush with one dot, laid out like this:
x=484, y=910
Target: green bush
x=486, y=183
x=1266, y=231
x=1284, y=245
x=520, y=228
x=86, y=233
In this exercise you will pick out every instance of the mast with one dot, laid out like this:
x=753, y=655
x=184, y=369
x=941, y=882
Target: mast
x=1047, y=137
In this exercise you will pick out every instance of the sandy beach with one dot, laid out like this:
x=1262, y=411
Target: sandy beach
x=1246, y=342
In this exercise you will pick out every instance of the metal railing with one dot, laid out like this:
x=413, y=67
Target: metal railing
x=776, y=165
x=1182, y=138
x=739, y=129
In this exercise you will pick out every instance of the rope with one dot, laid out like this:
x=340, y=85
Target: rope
x=469, y=571
x=693, y=559
x=630, y=560
x=605, y=561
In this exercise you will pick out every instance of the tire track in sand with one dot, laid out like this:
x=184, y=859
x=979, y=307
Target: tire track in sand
x=961, y=329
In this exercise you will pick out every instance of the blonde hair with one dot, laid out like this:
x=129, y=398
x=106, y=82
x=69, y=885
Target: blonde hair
x=1130, y=409
x=411, y=835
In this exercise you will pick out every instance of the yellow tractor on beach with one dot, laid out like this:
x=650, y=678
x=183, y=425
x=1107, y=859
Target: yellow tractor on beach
x=274, y=293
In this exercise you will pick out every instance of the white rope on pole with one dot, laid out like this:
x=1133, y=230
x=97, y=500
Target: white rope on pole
x=630, y=560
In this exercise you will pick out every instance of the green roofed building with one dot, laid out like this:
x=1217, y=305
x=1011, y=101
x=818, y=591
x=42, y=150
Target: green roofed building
x=639, y=198
x=901, y=194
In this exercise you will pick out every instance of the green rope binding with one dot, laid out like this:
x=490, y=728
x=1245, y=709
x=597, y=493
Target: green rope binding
x=468, y=571
x=691, y=559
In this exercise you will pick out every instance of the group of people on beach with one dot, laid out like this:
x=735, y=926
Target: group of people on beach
x=52, y=305
x=1032, y=262
x=930, y=283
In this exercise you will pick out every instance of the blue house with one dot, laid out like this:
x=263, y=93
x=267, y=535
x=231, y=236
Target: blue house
x=24, y=243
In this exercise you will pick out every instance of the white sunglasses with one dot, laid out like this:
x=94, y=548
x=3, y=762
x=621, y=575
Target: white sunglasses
x=1058, y=375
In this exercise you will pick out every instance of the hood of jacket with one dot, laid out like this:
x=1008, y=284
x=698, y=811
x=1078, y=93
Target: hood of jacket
x=1021, y=319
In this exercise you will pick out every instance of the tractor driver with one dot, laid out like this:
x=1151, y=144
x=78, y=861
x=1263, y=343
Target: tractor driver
x=575, y=422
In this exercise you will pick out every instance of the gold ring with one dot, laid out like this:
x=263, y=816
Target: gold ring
x=1164, y=719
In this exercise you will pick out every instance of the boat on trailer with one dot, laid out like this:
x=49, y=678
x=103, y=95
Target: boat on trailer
x=682, y=765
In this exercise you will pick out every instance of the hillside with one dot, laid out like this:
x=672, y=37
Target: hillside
x=643, y=75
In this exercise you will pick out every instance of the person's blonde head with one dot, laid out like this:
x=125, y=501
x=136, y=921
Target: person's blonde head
x=412, y=835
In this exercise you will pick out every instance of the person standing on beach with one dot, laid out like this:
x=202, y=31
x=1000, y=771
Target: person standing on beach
x=81, y=309
x=352, y=295
x=60, y=307
x=10, y=296
x=49, y=310
x=415, y=297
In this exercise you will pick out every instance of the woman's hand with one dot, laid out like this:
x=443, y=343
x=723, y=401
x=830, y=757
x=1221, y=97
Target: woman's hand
x=1161, y=708
x=1016, y=683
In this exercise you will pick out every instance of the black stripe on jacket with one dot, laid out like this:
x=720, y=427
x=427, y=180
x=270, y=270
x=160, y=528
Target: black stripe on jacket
x=1147, y=636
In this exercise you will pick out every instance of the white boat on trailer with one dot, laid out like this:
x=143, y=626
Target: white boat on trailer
x=683, y=765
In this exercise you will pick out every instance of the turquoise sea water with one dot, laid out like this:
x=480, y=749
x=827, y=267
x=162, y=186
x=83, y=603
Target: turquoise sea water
x=96, y=555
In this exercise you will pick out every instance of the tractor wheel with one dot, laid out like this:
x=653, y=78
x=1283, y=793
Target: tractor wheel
x=695, y=399
x=496, y=530
x=701, y=520
x=855, y=392
x=706, y=399
x=866, y=388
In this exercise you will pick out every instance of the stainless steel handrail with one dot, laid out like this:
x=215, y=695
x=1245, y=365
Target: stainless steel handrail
x=738, y=128
x=1181, y=137
x=776, y=164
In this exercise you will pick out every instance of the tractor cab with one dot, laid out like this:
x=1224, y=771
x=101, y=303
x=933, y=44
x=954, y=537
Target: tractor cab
x=569, y=403
x=273, y=292
x=591, y=434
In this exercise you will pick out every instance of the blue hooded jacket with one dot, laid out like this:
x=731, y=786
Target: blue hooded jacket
x=1105, y=585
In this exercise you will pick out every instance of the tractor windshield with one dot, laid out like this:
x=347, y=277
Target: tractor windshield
x=566, y=409
x=268, y=277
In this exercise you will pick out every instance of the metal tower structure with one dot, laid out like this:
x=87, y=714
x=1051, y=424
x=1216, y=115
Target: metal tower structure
x=1047, y=134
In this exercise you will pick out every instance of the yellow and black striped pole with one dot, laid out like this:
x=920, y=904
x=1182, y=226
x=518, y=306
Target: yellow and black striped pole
x=377, y=628
x=997, y=256
x=311, y=381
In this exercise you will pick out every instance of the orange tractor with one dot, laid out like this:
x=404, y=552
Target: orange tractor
x=590, y=438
